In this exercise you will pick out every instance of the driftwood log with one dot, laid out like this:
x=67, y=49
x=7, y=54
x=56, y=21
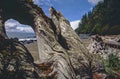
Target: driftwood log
x=112, y=43
x=101, y=44
x=57, y=42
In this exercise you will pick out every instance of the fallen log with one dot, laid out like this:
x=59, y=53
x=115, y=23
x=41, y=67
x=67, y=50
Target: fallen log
x=112, y=43
x=107, y=42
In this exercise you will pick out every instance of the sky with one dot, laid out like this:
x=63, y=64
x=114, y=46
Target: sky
x=73, y=10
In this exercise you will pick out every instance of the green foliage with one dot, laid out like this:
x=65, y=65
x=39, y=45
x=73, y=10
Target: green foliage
x=112, y=64
x=103, y=19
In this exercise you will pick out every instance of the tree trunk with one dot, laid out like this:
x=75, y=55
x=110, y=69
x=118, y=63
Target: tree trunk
x=50, y=49
x=57, y=42
x=2, y=28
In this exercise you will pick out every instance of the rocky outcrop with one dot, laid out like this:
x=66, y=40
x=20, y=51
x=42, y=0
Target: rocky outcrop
x=59, y=46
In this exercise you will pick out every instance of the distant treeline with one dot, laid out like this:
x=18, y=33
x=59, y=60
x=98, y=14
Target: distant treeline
x=103, y=19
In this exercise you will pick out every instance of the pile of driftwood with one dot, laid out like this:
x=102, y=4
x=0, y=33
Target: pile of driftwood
x=99, y=44
x=108, y=42
x=112, y=43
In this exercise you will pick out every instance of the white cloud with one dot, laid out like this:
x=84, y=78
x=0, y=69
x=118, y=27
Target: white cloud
x=43, y=2
x=74, y=24
x=14, y=26
x=94, y=1
x=24, y=29
x=36, y=2
x=10, y=24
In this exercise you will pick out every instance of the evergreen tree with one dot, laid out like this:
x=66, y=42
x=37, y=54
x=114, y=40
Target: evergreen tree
x=103, y=19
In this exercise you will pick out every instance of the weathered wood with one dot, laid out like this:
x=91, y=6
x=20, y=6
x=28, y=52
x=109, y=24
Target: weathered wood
x=50, y=49
x=57, y=42
x=101, y=44
x=112, y=43
x=2, y=28
x=67, y=37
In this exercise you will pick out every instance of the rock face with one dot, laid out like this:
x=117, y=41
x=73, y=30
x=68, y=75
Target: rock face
x=58, y=44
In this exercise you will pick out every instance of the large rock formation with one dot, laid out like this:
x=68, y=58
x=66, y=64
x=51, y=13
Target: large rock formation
x=58, y=44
